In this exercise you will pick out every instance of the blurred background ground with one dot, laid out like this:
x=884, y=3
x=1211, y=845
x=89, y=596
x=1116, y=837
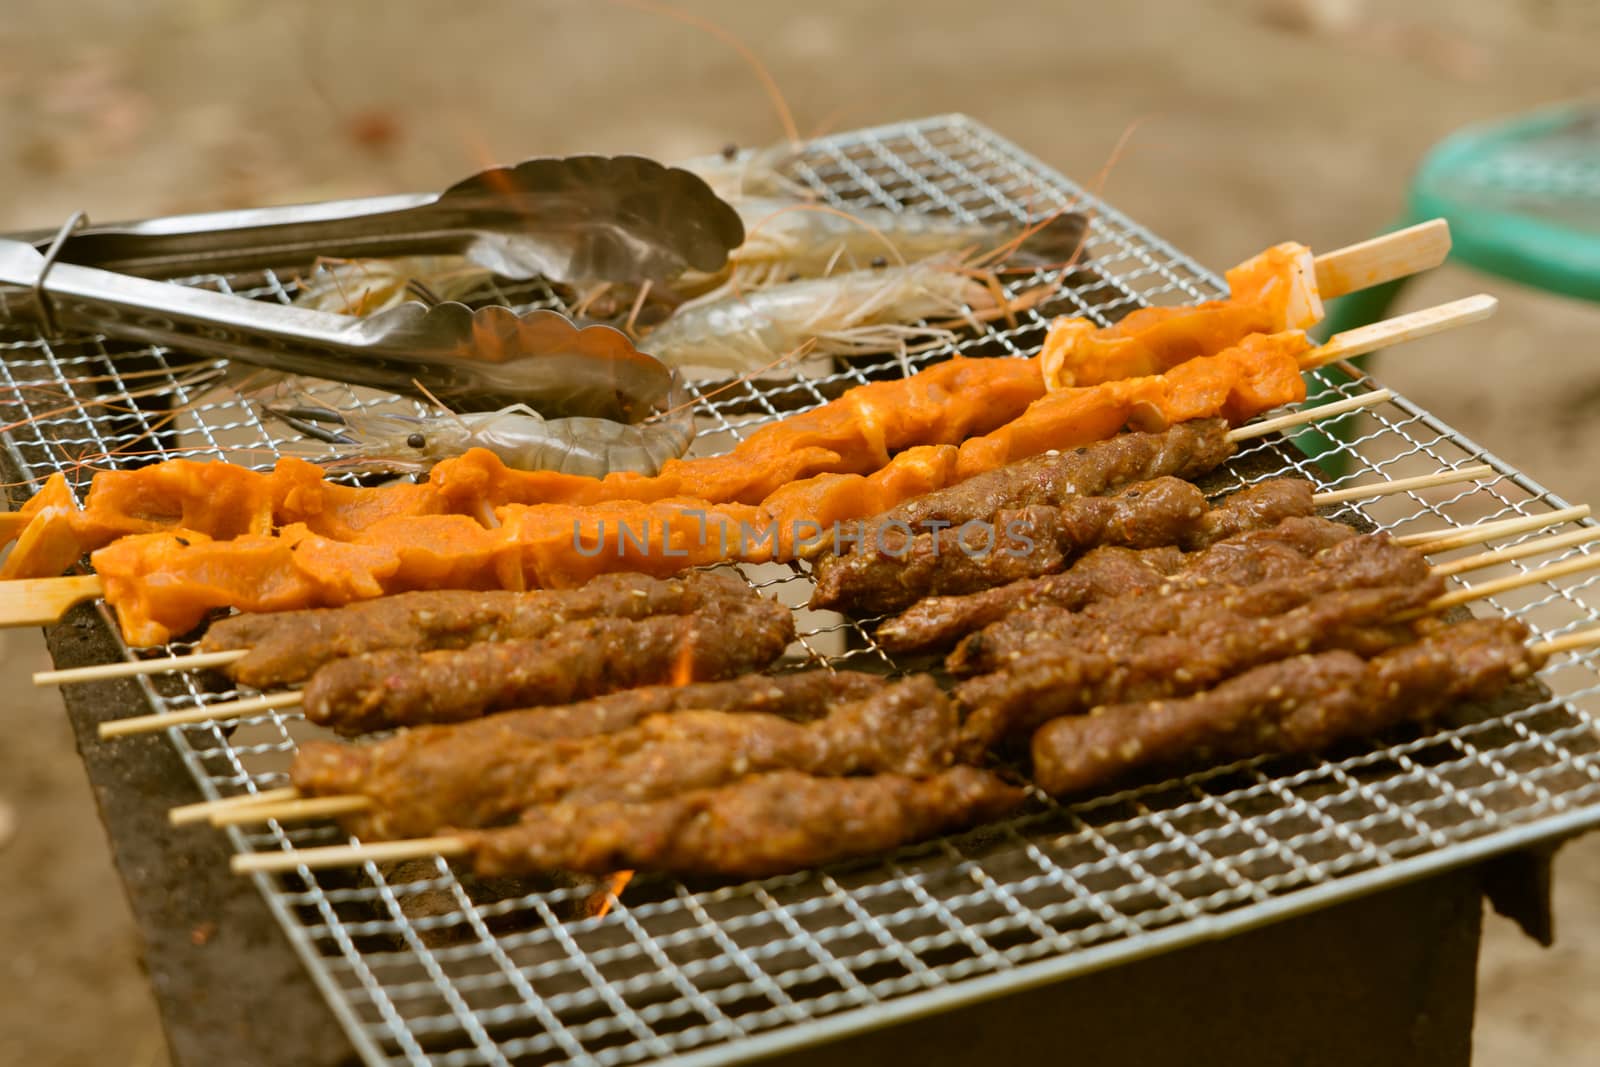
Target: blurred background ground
x=1254, y=121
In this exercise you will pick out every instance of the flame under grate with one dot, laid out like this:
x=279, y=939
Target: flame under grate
x=424, y=966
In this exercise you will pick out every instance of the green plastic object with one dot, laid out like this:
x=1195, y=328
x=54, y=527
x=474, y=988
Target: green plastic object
x=1522, y=197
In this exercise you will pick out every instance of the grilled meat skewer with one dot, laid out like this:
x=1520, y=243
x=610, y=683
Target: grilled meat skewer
x=906, y=728
x=1185, y=450
x=801, y=696
x=763, y=825
x=1111, y=571
x=1186, y=601
x=289, y=646
x=893, y=571
x=1302, y=704
x=1126, y=665
x=382, y=690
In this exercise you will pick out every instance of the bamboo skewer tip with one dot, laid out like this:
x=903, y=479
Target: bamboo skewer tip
x=293, y=807
x=346, y=855
x=132, y=668
x=139, y=724
x=1453, y=476
x=186, y=814
x=1308, y=415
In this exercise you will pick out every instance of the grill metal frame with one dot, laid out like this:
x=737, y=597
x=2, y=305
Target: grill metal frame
x=423, y=966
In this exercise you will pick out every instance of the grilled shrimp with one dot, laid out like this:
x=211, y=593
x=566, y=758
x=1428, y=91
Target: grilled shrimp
x=846, y=314
x=784, y=239
x=520, y=436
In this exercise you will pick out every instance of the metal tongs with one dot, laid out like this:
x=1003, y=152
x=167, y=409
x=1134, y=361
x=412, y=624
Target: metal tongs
x=577, y=220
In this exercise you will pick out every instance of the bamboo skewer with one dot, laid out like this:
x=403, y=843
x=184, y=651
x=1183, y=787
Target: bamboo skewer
x=1580, y=536
x=1570, y=643
x=1309, y=415
x=42, y=601
x=1404, y=485
x=347, y=855
x=451, y=847
x=293, y=807
x=1386, y=258
x=1409, y=327
x=1457, y=597
x=185, y=814
x=139, y=724
x=1430, y=541
x=194, y=661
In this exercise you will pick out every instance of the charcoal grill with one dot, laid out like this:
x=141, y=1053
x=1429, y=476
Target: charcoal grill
x=423, y=966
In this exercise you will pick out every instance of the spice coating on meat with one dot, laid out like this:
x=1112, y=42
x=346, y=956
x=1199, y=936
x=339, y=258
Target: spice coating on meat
x=1257, y=507
x=1192, y=599
x=765, y=825
x=1124, y=664
x=381, y=690
x=1297, y=705
x=906, y=728
x=288, y=646
x=894, y=571
x=1109, y=571
x=1187, y=450
x=336, y=769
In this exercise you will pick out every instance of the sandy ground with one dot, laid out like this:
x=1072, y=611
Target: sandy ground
x=1252, y=121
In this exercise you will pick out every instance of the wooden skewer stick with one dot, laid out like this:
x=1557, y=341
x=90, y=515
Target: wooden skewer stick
x=1309, y=415
x=294, y=807
x=348, y=855
x=1383, y=259
x=139, y=724
x=42, y=601
x=194, y=661
x=185, y=814
x=1501, y=585
x=1403, y=485
x=1428, y=541
x=1570, y=643
x=1579, y=536
x=1410, y=327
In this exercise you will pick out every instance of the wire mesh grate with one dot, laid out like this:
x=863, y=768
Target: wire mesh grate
x=423, y=965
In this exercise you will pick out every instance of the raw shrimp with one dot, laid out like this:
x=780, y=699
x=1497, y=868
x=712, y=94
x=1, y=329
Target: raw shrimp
x=849, y=313
x=520, y=436
x=367, y=286
x=784, y=239
x=736, y=176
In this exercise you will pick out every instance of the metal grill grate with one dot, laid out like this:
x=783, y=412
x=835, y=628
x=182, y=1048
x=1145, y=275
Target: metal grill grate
x=423, y=966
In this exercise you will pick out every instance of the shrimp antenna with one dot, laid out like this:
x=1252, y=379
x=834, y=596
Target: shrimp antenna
x=1097, y=184
x=440, y=404
x=769, y=84
x=114, y=402
x=794, y=353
